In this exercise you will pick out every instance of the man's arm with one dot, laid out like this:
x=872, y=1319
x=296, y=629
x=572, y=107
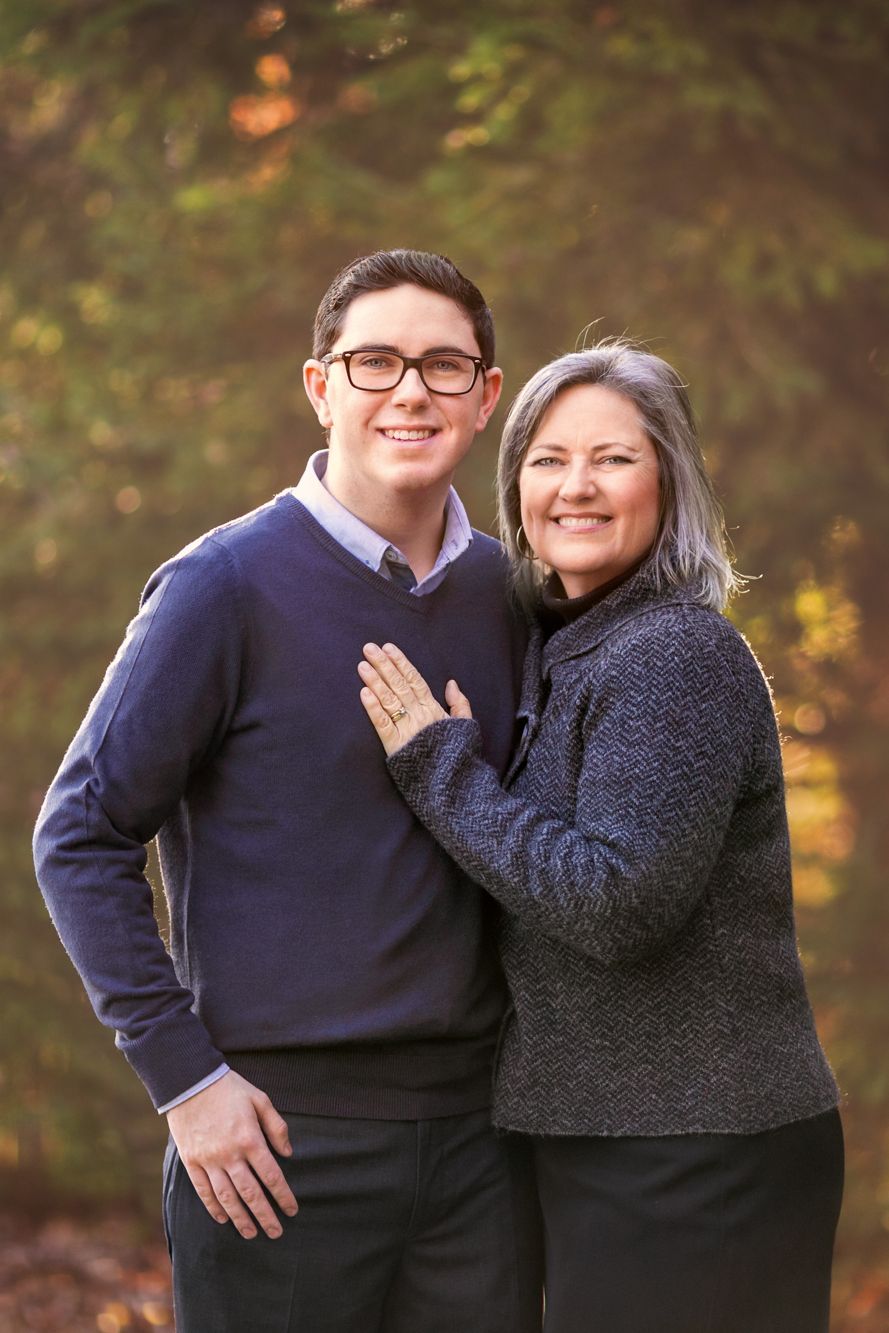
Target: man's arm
x=195, y=1087
x=164, y=706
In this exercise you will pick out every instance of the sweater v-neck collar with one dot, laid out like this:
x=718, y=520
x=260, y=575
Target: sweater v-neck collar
x=420, y=604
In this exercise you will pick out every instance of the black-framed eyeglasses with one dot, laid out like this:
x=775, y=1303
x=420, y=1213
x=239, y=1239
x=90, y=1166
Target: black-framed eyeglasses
x=376, y=370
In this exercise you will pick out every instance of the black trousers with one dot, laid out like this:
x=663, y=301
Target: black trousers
x=701, y=1233
x=403, y=1227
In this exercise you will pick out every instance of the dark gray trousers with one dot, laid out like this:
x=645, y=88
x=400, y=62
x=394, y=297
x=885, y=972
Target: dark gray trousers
x=696, y=1233
x=404, y=1227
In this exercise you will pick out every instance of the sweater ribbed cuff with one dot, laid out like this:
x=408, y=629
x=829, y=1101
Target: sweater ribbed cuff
x=172, y=1056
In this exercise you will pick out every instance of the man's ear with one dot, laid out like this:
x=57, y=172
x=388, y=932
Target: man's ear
x=491, y=393
x=315, y=382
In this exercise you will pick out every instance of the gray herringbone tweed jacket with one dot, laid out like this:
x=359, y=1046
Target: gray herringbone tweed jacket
x=640, y=850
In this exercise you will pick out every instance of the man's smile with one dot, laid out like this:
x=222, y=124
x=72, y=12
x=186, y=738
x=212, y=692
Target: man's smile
x=406, y=435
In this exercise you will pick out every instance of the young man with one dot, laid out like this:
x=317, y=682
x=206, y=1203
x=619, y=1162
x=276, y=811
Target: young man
x=324, y=1030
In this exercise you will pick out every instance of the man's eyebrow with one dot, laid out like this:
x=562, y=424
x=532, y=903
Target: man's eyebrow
x=430, y=351
x=448, y=347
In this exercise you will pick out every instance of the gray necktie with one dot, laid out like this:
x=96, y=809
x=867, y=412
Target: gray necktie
x=399, y=572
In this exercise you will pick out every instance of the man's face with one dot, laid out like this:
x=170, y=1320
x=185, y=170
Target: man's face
x=405, y=441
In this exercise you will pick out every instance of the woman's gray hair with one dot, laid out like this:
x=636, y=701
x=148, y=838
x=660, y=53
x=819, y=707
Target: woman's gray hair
x=691, y=550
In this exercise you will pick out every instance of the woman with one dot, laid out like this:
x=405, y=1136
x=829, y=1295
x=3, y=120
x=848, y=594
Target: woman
x=660, y=1046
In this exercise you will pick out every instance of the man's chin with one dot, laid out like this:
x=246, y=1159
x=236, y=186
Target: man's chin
x=417, y=477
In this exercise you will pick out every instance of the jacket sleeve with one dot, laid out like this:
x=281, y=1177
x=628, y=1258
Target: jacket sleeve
x=664, y=746
x=162, y=708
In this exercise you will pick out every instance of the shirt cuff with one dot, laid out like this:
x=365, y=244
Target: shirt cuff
x=196, y=1088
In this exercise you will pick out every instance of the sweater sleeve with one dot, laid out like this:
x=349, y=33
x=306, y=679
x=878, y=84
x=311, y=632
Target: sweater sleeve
x=163, y=706
x=664, y=746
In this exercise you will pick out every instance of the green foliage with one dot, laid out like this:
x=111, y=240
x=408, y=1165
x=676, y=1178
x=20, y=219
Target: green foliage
x=180, y=182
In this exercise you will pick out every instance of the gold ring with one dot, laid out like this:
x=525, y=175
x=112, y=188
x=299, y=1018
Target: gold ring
x=399, y=713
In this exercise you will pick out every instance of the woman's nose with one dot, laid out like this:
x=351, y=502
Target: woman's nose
x=577, y=481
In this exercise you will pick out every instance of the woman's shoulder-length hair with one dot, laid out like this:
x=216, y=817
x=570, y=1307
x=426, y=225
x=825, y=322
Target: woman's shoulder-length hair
x=691, y=550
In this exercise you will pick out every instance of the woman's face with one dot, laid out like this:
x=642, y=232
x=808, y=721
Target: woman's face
x=589, y=488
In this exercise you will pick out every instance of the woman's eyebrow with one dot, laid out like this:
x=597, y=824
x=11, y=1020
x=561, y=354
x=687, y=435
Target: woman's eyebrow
x=554, y=447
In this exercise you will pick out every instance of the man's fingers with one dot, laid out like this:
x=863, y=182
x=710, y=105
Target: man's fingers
x=239, y=1195
x=270, y=1175
x=274, y=1127
x=263, y=1163
x=254, y=1197
x=204, y=1190
x=228, y=1196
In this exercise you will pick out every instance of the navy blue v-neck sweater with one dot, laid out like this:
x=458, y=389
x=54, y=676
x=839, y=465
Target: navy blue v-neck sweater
x=321, y=941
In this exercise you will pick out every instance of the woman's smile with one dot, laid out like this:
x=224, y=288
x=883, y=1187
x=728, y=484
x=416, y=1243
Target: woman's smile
x=581, y=522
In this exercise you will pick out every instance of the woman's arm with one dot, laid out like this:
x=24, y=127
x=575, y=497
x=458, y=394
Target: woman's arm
x=663, y=753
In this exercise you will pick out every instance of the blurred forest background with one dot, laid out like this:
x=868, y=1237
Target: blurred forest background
x=178, y=183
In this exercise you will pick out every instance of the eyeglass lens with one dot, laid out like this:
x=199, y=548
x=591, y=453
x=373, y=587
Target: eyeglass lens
x=442, y=373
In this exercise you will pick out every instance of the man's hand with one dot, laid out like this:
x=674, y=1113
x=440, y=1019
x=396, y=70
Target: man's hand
x=223, y=1136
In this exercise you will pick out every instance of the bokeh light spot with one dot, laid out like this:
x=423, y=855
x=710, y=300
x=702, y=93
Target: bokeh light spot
x=45, y=553
x=49, y=340
x=273, y=71
x=128, y=499
x=267, y=19
x=113, y=1318
x=24, y=332
x=809, y=719
x=255, y=117
x=156, y=1314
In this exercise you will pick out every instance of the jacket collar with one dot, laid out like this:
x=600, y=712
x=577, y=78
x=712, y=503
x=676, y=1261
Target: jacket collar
x=638, y=596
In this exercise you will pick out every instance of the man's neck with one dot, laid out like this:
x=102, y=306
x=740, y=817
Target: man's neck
x=412, y=521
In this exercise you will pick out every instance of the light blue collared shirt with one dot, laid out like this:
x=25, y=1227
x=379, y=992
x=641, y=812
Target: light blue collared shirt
x=361, y=541
x=378, y=554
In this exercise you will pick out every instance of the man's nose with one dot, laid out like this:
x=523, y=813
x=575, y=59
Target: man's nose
x=411, y=389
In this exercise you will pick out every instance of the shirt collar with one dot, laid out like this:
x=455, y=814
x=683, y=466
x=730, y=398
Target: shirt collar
x=359, y=539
